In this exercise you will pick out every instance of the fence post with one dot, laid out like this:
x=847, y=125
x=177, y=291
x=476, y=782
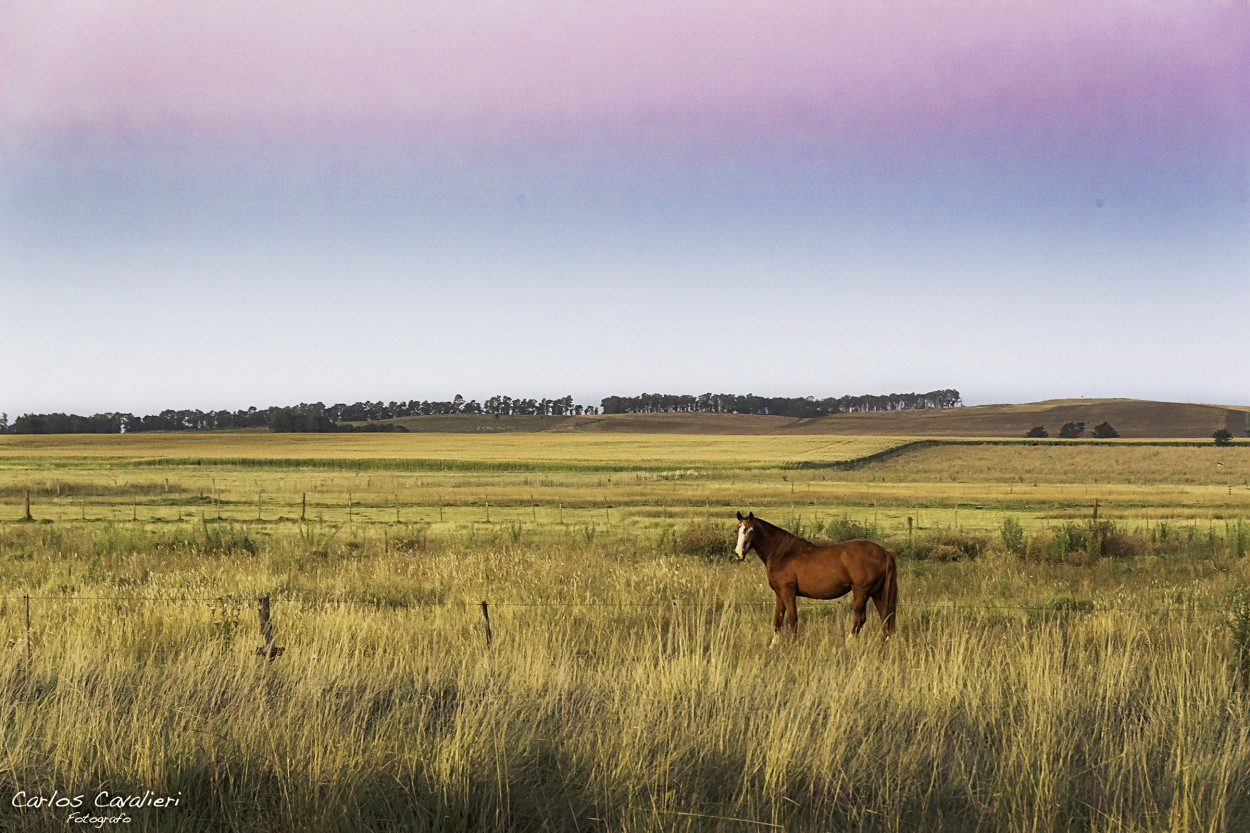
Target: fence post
x=268, y=650
x=28, y=517
x=486, y=619
x=303, y=505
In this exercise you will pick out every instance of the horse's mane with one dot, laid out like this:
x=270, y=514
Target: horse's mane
x=773, y=529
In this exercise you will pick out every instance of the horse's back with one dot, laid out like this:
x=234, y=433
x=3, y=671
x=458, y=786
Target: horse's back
x=864, y=561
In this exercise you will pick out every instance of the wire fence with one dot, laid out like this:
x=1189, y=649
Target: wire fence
x=1059, y=613
x=1056, y=606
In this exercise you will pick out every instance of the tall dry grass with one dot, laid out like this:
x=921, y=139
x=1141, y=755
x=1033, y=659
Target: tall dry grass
x=630, y=688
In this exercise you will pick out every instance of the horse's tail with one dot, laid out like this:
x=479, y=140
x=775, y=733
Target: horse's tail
x=891, y=594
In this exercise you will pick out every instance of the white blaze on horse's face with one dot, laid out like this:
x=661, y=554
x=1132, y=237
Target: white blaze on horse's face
x=744, y=536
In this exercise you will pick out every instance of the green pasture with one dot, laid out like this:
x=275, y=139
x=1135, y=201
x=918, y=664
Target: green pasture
x=549, y=480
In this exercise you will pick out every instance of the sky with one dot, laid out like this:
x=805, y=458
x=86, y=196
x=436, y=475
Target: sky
x=256, y=202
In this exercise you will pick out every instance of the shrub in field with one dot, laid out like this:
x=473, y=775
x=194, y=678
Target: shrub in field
x=710, y=540
x=845, y=529
x=1077, y=543
x=1065, y=541
x=948, y=546
x=795, y=524
x=1038, y=432
x=1238, y=535
x=1012, y=534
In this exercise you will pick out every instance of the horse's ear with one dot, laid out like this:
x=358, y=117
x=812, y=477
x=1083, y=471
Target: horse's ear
x=751, y=515
x=739, y=515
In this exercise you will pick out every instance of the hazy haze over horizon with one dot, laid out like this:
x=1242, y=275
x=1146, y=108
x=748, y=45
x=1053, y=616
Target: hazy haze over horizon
x=265, y=203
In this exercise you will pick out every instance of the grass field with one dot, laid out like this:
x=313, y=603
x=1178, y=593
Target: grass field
x=1053, y=671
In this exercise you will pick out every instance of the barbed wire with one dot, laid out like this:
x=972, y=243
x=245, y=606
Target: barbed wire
x=1058, y=606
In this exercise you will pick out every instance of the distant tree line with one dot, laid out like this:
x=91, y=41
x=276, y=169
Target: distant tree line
x=117, y=423
x=791, y=406
x=305, y=417
x=318, y=417
x=495, y=406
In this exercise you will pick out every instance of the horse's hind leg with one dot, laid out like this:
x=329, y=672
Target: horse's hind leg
x=859, y=606
x=887, y=626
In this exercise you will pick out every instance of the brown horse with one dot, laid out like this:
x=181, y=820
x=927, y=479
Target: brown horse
x=797, y=567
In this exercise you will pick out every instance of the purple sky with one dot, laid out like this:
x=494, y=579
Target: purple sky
x=266, y=202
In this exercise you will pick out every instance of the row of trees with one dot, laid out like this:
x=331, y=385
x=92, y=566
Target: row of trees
x=117, y=423
x=1072, y=430
x=316, y=416
x=495, y=406
x=309, y=417
x=791, y=406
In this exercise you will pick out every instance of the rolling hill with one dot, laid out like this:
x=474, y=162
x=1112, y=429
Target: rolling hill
x=1133, y=418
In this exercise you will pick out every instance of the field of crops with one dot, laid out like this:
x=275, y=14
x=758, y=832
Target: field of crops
x=1054, y=669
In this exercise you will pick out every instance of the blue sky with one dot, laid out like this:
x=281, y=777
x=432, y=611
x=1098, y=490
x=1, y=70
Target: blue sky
x=1022, y=202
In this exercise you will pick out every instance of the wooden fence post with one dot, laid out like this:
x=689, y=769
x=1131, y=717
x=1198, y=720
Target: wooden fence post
x=486, y=619
x=303, y=505
x=268, y=650
x=28, y=517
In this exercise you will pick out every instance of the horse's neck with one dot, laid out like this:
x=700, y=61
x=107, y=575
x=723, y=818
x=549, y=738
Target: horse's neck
x=777, y=542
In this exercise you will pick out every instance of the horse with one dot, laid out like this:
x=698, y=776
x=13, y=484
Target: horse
x=797, y=567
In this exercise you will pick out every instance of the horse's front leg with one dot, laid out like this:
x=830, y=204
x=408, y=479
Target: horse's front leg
x=792, y=611
x=779, y=614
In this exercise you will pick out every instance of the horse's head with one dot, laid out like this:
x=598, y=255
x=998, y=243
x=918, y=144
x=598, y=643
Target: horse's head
x=746, y=535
